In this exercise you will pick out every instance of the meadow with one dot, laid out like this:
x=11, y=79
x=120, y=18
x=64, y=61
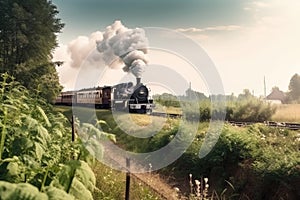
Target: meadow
x=287, y=113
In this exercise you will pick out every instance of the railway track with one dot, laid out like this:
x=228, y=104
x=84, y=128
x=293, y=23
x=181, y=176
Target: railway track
x=288, y=125
x=168, y=115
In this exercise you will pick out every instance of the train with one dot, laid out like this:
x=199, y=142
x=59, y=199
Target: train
x=120, y=97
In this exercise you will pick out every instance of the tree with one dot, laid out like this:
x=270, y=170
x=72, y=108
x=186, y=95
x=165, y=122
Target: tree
x=246, y=95
x=28, y=33
x=294, y=88
x=193, y=95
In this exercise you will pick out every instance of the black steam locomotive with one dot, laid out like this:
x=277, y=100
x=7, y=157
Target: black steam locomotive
x=124, y=96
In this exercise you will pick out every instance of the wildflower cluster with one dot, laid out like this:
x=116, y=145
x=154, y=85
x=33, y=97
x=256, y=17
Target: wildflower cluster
x=199, y=191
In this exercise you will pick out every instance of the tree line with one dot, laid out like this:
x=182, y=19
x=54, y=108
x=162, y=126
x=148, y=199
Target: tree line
x=28, y=35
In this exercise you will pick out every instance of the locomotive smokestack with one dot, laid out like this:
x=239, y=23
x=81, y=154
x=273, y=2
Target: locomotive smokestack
x=138, y=81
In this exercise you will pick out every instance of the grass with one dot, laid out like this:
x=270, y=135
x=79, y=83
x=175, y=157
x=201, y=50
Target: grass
x=170, y=110
x=287, y=113
x=111, y=185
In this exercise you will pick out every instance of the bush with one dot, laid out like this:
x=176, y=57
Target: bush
x=253, y=157
x=249, y=110
x=36, y=149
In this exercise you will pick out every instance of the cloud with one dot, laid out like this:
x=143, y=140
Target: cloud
x=256, y=6
x=208, y=29
x=80, y=59
x=260, y=4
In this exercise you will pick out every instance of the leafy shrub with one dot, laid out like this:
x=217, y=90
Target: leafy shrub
x=36, y=149
x=270, y=156
x=249, y=110
x=27, y=191
x=167, y=100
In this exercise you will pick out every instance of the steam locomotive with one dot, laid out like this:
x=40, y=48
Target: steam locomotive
x=124, y=96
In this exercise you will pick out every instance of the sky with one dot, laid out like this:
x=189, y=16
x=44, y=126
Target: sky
x=246, y=40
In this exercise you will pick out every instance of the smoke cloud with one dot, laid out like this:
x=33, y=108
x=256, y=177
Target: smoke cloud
x=123, y=45
x=115, y=47
x=81, y=49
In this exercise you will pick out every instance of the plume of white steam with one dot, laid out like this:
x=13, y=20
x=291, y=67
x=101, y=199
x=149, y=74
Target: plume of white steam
x=118, y=45
x=123, y=45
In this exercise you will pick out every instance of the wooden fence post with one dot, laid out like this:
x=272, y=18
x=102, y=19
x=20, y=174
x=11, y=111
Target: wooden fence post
x=73, y=128
x=127, y=179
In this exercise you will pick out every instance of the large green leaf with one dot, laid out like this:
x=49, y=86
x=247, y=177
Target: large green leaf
x=57, y=194
x=86, y=176
x=79, y=191
x=44, y=116
x=39, y=150
x=21, y=191
x=77, y=177
x=26, y=191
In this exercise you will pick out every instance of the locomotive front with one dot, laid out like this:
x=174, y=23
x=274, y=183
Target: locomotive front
x=140, y=100
x=134, y=98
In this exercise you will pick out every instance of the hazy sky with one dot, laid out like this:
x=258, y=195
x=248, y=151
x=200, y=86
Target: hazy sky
x=246, y=39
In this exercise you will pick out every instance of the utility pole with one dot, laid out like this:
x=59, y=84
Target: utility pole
x=265, y=88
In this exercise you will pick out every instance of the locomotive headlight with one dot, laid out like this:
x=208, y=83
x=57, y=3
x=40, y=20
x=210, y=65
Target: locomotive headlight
x=142, y=92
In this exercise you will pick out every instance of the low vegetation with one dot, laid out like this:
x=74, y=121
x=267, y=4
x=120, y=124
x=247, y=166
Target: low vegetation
x=38, y=160
x=257, y=161
x=111, y=184
x=287, y=113
x=245, y=108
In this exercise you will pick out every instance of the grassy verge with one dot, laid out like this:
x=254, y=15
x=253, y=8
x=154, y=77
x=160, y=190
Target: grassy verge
x=171, y=109
x=111, y=185
x=287, y=113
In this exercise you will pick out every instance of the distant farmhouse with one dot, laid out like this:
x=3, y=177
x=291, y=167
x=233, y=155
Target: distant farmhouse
x=276, y=96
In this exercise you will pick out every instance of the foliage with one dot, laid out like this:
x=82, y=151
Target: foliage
x=167, y=100
x=26, y=191
x=256, y=157
x=28, y=31
x=193, y=95
x=245, y=95
x=36, y=149
x=294, y=89
x=41, y=79
x=249, y=110
x=244, y=108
